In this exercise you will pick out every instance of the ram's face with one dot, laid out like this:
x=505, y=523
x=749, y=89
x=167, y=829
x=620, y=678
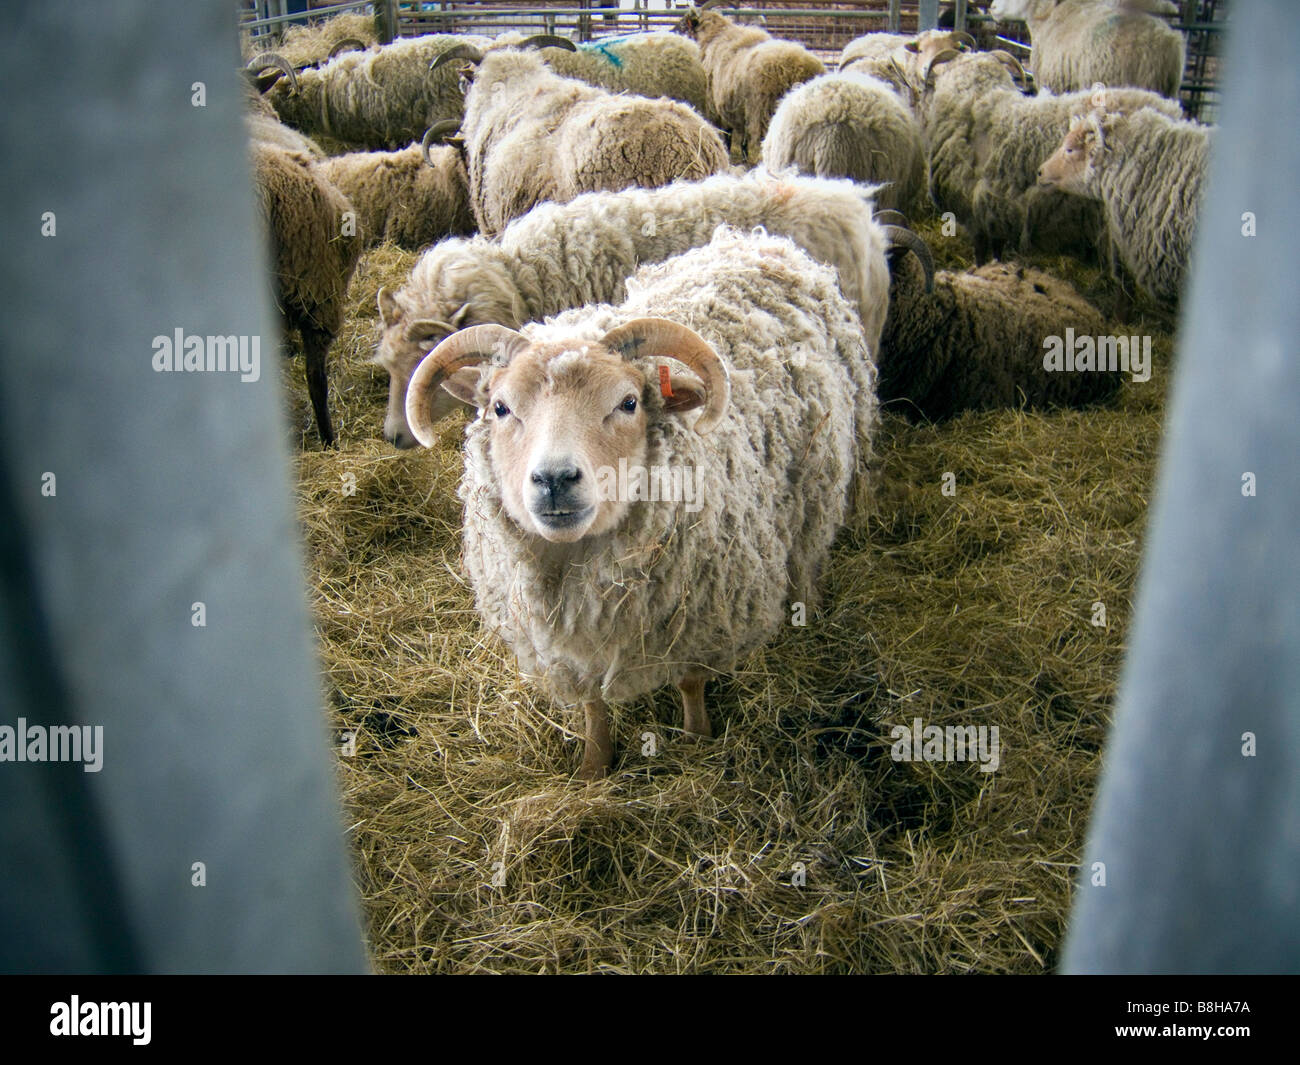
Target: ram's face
x=1067, y=168
x=403, y=342
x=1020, y=10
x=562, y=419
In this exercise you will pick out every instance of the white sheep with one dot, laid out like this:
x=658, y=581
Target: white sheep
x=532, y=136
x=561, y=256
x=411, y=197
x=646, y=64
x=986, y=141
x=748, y=71
x=1148, y=171
x=602, y=594
x=850, y=125
x=901, y=60
x=1080, y=43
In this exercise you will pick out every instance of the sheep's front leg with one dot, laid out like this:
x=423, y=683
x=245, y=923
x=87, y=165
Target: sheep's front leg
x=598, y=753
x=694, y=716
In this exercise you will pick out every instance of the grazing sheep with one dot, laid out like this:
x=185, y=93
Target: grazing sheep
x=605, y=595
x=532, y=136
x=383, y=98
x=645, y=64
x=412, y=197
x=312, y=254
x=986, y=141
x=311, y=45
x=850, y=125
x=1081, y=43
x=977, y=342
x=1147, y=170
x=748, y=73
x=561, y=256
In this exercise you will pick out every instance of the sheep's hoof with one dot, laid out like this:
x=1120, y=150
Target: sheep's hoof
x=698, y=735
x=591, y=771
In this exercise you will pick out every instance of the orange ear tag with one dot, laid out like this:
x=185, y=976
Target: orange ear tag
x=665, y=383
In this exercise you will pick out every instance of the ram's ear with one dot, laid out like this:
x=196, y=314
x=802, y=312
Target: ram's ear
x=464, y=385
x=389, y=311
x=685, y=392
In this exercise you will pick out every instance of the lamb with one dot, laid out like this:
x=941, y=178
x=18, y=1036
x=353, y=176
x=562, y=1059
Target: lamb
x=977, y=342
x=383, y=98
x=603, y=594
x=411, y=197
x=1080, y=43
x=531, y=136
x=562, y=256
x=748, y=73
x=850, y=125
x=1148, y=171
x=986, y=141
x=313, y=255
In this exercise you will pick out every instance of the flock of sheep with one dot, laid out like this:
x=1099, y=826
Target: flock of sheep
x=608, y=290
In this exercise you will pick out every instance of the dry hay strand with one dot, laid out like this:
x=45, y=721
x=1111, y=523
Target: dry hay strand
x=792, y=843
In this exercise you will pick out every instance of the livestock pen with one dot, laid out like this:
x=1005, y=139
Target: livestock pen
x=985, y=591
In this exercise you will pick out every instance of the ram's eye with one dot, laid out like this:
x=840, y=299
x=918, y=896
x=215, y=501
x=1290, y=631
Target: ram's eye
x=628, y=405
x=500, y=409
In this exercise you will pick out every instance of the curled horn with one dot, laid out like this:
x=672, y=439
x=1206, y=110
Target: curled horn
x=347, y=43
x=1012, y=64
x=460, y=51
x=942, y=57
x=548, y=40
x=273, y=60
x=962, y=37
x=647, y=338
x=889, y=217
x=709, y=5
x=469, y=347
x=439, y=130
x=901, y=239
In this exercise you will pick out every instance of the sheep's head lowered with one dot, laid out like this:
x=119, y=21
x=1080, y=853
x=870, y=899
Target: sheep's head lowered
x=561, y=412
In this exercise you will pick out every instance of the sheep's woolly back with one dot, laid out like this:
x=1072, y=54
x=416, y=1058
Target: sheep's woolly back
x=850, y=125
x=1149, y=177
x=748, y=74
x=976, y=341
x=400, y=198
x=385, y=97
x=1079, y=43
x=303, y=215
x=625, y=613
x=986, y=141
x=646, y=64
x=567, y=255
x=305, y=46
x=533, y=136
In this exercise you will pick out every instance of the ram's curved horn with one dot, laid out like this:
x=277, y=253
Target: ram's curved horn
x=1011, y=63
x=709, y=5
x=965, y=38
x=647, y=338
x=548, y=40
x=348, y=43
x=269, y=60
x=440, y=131
x=905, y=240
x=888, y=217
x=942, y=57
x=469, y=347
x=460, y=51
